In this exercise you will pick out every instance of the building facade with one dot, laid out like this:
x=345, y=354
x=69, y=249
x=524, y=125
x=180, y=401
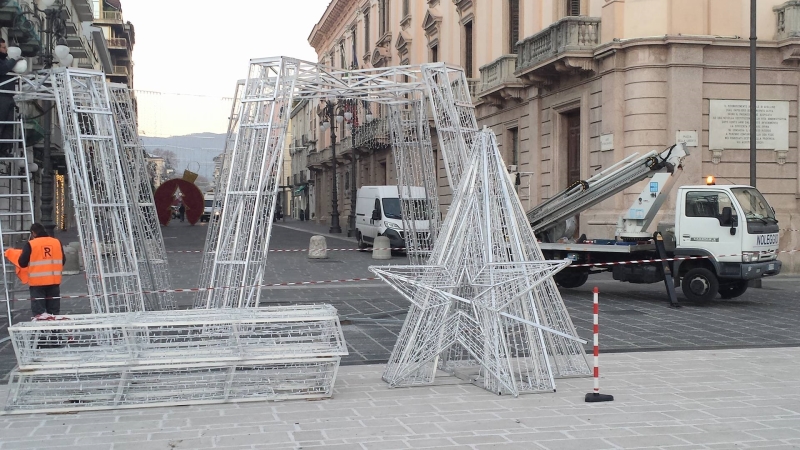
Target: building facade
x=120, y=37
x=572, y=86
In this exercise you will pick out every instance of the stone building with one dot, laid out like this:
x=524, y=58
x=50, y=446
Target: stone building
x=572, y=86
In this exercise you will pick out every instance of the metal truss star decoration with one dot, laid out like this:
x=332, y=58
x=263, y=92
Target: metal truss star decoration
x=486, y=300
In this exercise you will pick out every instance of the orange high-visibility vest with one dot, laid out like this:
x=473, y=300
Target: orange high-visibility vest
x=46, y=263
x=13, y=255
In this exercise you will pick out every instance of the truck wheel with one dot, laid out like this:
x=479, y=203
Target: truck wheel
x=361, y=244
x=733, y=290
x=571, y=279
x=700, y=285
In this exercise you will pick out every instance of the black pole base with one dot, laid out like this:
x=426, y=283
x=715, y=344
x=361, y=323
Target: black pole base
x=592, y=397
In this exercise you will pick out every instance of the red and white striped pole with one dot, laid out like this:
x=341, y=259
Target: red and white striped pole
x=596, y=396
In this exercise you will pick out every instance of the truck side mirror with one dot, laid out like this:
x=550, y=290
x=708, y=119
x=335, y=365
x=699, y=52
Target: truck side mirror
x=376, y=215
x=725, y=217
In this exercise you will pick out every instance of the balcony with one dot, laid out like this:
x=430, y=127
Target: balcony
x=117, y=44
x=565, y=47
x=115, y=16
x=320, y=158
x=474, y=85
x=375, y=134
x=120, y=71
x=498, y=82
x=788, y=20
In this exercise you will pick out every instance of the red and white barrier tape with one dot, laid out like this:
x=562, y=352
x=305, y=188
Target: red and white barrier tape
x=164, y=291
x=293, y=250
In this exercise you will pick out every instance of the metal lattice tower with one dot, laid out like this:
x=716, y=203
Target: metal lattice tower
x=246, y=219
x=482, y=301
x=16, y=208
x=149, y=243
x=220, y=183
x=97, y=182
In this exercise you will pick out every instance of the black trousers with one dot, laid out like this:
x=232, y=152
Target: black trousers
x=6, y=129
x=49, y=299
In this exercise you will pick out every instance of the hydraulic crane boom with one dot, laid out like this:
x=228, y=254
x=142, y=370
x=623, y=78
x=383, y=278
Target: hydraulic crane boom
x=585, y=194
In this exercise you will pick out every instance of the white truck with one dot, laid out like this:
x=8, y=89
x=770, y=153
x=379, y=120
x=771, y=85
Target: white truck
x=731, y=229
x=379, y=213
x=210, y=209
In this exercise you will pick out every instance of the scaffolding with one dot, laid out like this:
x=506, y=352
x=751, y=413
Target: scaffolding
x=99, y=192
x=149, y=243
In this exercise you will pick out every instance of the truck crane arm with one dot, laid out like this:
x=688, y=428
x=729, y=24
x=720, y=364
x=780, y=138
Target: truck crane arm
x=584, y=194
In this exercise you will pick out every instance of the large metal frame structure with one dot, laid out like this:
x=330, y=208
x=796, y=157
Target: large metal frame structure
x=482, y=302
x=100, y=195
x=245, y=226
x=149, y=243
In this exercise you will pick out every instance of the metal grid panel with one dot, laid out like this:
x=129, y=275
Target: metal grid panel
x=179, y=337
x=102, y=205
x=149, y=243
x=119, y=387
x=246, y=220
x=415, y=165
x=220, y=184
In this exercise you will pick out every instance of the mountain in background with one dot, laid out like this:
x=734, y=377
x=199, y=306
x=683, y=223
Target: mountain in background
x=191, y=150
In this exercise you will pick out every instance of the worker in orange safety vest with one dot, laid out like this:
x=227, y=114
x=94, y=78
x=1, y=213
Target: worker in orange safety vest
x=44, y=257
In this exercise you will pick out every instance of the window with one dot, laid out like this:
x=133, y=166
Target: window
x=383, y=12
x=513, y=25
x=706, y=204
x=573, y=7
x=355, y=57
x=513, y=138
x=435, y=53
x=366, y=32
x=406, y=9
x=342, y=60
x=468, y=49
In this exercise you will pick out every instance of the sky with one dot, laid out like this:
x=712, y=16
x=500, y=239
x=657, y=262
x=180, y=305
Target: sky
x=200, y=49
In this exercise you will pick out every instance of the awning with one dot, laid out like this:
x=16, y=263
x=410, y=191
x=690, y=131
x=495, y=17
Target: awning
x=300, y=189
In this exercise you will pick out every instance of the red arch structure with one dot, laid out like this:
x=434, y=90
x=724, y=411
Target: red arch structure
x=192, y=200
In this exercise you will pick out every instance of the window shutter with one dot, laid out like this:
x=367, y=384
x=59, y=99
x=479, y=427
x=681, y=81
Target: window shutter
x=574, y=7
x=513, y=25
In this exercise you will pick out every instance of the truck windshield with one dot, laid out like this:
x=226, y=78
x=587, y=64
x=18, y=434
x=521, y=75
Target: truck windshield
x=208, y=203
x=391, y=208
x=754, y=204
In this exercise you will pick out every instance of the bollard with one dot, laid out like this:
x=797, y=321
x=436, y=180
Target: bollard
x=596, y=396
x=380, y=248
x=317, y=248
x=72, y=265
x=77, y=246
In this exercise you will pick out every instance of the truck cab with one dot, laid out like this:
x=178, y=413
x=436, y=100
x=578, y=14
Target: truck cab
x=734, y=229
x=210, y=209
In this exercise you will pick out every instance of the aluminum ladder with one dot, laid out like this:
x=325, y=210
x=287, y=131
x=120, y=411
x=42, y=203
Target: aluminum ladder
x=16, y=207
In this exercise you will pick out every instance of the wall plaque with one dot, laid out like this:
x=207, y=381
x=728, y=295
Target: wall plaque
x=729, y=125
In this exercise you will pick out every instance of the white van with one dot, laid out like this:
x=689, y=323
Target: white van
x=378, y=213
x=208, y=208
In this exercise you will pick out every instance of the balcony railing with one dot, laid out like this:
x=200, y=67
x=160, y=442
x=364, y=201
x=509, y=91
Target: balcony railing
x=474, y=85
x=120, y=70
x=117, y=43
x=112, y=15
x=570, y=34
x=498, y=72
x=788, y=20
x=373, y=134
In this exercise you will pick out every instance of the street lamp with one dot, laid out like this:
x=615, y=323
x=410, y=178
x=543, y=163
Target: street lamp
x=54, y=50
x=329, y=104
x=353, y=121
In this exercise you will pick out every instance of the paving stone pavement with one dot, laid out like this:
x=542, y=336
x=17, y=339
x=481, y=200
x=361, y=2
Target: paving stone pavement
x=633, y=317
x=703, y=399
